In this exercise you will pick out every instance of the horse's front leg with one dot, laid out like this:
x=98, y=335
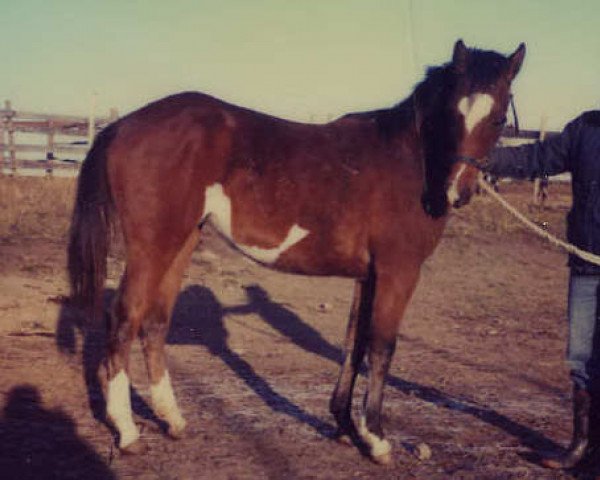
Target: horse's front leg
x=354, y=352
x=393, y=291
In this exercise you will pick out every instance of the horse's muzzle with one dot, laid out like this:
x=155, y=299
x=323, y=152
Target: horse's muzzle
x=462, y=182
x=463, y=198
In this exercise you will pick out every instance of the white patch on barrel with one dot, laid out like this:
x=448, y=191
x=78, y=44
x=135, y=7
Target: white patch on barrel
x=475, y=108
x=164, y=403
x=379, y=446
x=118, y=408
x=218, y=205
x=452, y=193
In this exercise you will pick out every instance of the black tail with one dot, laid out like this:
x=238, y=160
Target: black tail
x=91, y=226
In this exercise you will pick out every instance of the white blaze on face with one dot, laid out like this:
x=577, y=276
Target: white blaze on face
x=118, y=408
x=452, y=194
x=218, y=205
x=164, y=403
x=475, y=108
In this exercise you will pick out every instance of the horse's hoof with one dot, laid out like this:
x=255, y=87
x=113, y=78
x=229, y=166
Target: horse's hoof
x=135, y=448
x=343, y=439
x=557, y=461
x=176, y=428
x=552, y=463
x=383, y=459
x=177, y=433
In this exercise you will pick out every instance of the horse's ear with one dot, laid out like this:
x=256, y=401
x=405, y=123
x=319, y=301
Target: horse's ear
x=515, y=61
x=459, y=57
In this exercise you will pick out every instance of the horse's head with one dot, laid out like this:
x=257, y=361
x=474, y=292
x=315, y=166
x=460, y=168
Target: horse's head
x=479, y=103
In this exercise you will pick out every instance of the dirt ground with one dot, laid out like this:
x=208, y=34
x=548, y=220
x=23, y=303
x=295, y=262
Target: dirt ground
x=478, y=375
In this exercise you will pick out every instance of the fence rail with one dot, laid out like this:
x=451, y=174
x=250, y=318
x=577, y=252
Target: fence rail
x=46, y=127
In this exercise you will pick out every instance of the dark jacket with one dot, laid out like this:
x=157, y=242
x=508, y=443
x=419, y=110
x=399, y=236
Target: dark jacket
x=577, y=150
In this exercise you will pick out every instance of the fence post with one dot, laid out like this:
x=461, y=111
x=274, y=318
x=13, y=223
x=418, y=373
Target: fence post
x=50, y=149
x=92, y=121
x=2, y=145
x=10, y=129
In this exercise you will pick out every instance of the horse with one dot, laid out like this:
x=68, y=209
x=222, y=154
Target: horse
x=365, y=196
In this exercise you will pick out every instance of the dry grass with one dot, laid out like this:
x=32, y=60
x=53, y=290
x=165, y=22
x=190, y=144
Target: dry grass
x=41, y=207
x=35, y=207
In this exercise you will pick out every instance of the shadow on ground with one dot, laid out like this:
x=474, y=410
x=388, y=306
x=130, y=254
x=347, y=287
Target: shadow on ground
x=36, y=443
x=198, y=319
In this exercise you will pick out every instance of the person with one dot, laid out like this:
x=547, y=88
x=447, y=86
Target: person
x=576, y=150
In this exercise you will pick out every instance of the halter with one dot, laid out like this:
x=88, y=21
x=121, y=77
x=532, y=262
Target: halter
x=474, y=162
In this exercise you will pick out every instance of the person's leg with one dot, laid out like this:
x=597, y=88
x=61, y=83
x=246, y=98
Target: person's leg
x=583, y=312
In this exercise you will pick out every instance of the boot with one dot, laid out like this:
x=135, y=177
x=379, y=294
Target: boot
x=593, y=448
x=578, y=448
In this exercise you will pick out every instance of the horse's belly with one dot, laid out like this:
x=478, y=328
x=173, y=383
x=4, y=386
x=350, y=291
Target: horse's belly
x=219, y=211
x=297, y=250
x=266, y=256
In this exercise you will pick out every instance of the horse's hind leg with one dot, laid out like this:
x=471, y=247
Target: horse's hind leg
x=153, y=333
x=143, y=305
x=394, y=289
x=133, y=302
x=354, y=351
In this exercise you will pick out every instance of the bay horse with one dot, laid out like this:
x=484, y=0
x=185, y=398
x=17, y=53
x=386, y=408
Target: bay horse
x=365, y=196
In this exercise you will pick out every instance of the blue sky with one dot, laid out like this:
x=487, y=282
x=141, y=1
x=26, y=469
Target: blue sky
x=300, y=59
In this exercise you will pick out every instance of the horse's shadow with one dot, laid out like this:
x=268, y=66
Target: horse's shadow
x=213, y=335
x=198, y=319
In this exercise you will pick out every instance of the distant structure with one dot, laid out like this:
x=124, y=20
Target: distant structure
x=513, y=136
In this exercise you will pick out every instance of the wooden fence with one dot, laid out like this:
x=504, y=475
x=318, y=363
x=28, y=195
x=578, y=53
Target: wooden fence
x=46, y=128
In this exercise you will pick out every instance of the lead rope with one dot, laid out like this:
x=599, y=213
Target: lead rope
x=587, y=256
